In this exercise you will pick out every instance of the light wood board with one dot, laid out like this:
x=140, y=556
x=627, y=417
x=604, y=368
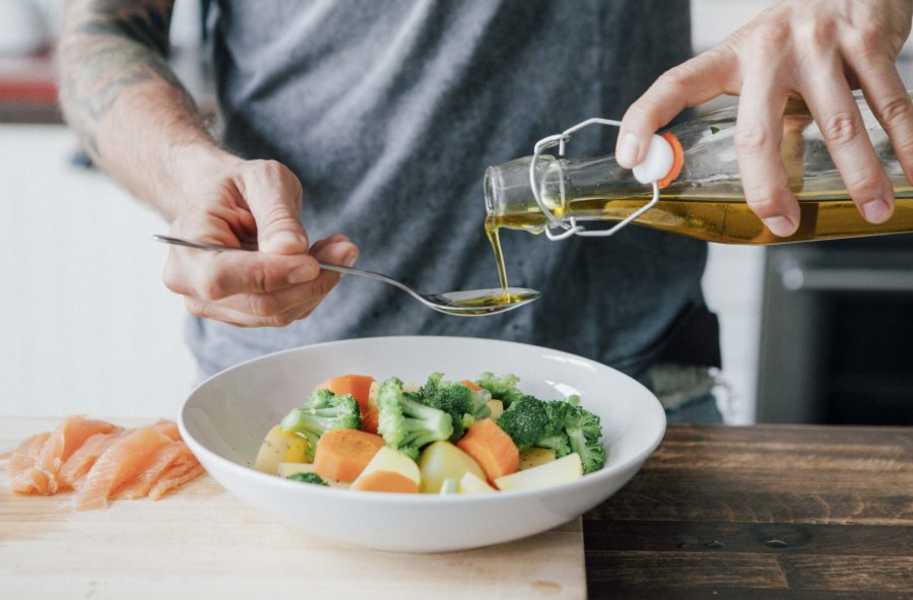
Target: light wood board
x=203, y=543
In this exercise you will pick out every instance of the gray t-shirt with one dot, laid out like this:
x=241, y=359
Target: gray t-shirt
x=390, y=111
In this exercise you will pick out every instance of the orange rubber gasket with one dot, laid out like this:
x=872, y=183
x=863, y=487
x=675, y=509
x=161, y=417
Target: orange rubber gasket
x=678, y=159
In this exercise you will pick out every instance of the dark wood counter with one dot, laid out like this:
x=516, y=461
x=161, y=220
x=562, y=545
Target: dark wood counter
x=760, y=512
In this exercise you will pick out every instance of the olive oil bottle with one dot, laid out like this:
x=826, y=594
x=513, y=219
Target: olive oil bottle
x=705, y=199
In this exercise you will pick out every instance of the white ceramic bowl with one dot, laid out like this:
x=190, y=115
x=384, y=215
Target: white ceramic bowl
x=225, y=418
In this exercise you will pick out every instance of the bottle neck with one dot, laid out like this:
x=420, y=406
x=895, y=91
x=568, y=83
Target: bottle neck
x=566, y=187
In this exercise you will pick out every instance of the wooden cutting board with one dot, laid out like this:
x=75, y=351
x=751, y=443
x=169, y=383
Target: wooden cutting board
x=203, y=543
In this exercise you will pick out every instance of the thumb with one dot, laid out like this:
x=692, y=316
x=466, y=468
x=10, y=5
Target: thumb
x=273, y=195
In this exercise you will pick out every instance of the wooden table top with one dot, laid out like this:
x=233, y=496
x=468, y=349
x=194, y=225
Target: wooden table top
x=717, y=512
x=760, y=512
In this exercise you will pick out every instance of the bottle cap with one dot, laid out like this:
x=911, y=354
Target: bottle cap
x=663, y=162
x=657, y=163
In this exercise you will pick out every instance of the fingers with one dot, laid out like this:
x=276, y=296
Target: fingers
x=217, y=312
x=759, y=133
x=299, y=299
x=335, y=251
x=831, y=103
x=214, y=276
x=337, y=238
x=273, y=194
x=698, y=80
x=274, y=308
x=885, y=93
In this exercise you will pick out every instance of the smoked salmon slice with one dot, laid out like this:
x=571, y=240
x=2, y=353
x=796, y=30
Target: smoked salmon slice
x=175, y=453
x=24, y=477
x=123, y=460
x=174, y=478
x=63, y=442
x=76, y=467
x=102, y=461
x=168, y=428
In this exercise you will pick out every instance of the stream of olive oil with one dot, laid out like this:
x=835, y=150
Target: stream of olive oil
x=494, y=238
x=481, y=305
x=721, y=219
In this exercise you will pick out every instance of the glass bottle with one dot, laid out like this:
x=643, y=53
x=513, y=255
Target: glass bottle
x=705, y=200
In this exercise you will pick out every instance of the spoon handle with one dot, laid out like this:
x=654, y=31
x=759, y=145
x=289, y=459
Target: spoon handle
x=443, y=303
x=174, y=241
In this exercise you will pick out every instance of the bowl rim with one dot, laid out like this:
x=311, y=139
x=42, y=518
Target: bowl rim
x=604, y=474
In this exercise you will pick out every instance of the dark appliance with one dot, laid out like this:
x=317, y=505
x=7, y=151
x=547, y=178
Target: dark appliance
x=837, y=333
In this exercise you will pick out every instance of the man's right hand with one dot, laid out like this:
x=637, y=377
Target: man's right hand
x=140, y=125
x=236, y=201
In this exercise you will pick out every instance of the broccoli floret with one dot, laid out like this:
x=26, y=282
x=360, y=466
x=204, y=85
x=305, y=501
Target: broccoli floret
x=308, y=478
x=585, y=435
x=322, y=412
x=455, y=399
x=533, y=422
x=479, y=408
x=501, y=388
x=557, y=413
x=563, y=425
x=558, y=442
x=526, y=421
x=407, y=424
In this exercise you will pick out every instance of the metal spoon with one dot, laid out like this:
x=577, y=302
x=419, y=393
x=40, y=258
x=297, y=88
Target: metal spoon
x=468, y=303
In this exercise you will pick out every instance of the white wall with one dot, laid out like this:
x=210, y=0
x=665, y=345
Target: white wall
x=86, y=325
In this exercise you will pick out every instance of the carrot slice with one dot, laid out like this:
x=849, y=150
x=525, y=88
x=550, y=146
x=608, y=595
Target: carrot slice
x=342, y=454
x=493, y=449
x=386, y=481
x=370, y=415
x=360, y=388
x=472, y=385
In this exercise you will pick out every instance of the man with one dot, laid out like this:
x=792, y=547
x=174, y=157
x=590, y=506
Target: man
x=378, y=118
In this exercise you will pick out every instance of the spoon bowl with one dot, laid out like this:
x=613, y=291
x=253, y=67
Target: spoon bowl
x=475, y=303
x=465, y=303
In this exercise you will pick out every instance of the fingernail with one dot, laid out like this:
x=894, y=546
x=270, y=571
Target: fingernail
x=876, y=211
x=780, y=226
x=627, y=150
x=350, y=258
x=302, y=274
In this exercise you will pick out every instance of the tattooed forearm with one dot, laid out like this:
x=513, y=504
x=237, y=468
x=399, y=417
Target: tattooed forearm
x=108, y=47
x=130, y=112
x=144, y=22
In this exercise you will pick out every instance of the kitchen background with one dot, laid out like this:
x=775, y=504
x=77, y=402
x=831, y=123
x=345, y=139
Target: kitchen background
x=88, y=325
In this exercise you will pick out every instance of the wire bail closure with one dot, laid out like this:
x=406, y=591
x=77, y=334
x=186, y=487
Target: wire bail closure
x=560, y=229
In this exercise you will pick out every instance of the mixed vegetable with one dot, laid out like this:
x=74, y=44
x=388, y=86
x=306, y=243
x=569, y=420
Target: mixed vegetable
x=444, y=437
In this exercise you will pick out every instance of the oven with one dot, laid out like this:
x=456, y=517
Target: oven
x=837, y=333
